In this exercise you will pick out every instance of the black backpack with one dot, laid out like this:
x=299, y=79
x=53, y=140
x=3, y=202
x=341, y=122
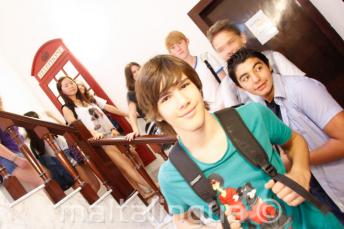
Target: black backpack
x=250, y=149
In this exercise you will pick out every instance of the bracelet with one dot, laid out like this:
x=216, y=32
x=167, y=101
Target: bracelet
x=14, y=157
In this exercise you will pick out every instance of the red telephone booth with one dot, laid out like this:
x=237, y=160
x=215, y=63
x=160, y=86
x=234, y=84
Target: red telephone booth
x=53, y=60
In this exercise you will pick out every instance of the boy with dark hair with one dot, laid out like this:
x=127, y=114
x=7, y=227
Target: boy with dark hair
x=169, y=91
x=321, y=122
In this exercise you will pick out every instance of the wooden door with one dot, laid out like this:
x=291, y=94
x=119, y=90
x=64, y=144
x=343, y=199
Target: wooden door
x=304, y=37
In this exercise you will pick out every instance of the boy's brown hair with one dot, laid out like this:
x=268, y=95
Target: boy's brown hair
x=174, y=37
x=222, y=25
x=156, y=77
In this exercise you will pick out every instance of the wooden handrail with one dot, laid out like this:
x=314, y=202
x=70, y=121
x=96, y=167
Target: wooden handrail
x=121, y=141
x=112, y=175
x=31, y=123
x=86, y=190
x=146, y=139
x=53, y=190
x=78, y=135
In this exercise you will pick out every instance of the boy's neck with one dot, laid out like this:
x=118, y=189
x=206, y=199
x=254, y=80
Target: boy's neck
x=191, y=60
x=203, y=140
x=270, y=96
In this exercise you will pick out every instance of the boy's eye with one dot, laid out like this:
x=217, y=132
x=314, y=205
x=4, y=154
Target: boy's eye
x=259, y=67
x=244, y=78
x=164, y=99
x=184, y=85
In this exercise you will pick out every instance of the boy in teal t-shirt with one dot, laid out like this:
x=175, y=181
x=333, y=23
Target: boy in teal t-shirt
x=169, y=91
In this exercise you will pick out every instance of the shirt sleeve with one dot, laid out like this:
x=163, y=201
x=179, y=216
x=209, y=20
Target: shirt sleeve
x=320, y=111
x=285, y=66
x=100, y=102
x=175, y=205
x=131, y=97
x=278, y=132
x=227, y=93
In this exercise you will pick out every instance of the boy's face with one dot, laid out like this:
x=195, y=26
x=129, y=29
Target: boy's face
x=255, y=77
x=180, y=49
x=226, y=43
x=182, y=107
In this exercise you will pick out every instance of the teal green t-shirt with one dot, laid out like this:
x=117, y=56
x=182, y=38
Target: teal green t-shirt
x=240, y=185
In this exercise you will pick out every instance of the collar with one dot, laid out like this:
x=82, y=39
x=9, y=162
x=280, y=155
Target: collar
x=196, y=62
x=279, y=89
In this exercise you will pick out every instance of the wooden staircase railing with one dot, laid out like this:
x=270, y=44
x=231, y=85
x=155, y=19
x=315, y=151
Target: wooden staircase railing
x=121, y=143
x=11, y=184
x=110, y=176
x=79, y=137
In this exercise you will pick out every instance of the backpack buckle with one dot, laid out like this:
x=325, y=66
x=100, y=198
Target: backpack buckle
x=270, y=170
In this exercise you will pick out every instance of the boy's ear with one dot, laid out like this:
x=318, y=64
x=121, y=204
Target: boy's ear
x=159, y=119
x=243, y=38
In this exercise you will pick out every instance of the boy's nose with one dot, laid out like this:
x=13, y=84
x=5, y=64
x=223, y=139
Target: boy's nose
x=182, y=99
x=255, y=78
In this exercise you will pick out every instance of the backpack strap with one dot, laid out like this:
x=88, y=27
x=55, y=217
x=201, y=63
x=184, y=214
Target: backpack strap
x=195, y=178
x=212, y=71
x=250, y=148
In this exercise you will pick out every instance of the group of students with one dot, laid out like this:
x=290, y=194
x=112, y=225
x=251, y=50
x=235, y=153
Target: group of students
x=180, y=91
x=90, y=109
x=280, y=110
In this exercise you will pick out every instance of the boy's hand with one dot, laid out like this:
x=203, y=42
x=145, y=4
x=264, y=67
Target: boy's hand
x=302, y=177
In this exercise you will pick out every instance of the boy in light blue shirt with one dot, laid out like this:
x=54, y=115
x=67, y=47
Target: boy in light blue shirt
x=304, y=105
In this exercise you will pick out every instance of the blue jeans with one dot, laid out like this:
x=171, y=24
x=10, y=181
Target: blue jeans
x=9, y=165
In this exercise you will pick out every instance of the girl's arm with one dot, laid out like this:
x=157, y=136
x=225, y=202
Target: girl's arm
x=54, y=117
x=114, y=110
x=9, y=155
x=68, y=115
x=6, y=153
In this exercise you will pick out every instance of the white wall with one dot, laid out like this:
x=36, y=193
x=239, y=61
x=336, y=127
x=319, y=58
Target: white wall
x=103, y=34
x=17, y=97
x=333, y=11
